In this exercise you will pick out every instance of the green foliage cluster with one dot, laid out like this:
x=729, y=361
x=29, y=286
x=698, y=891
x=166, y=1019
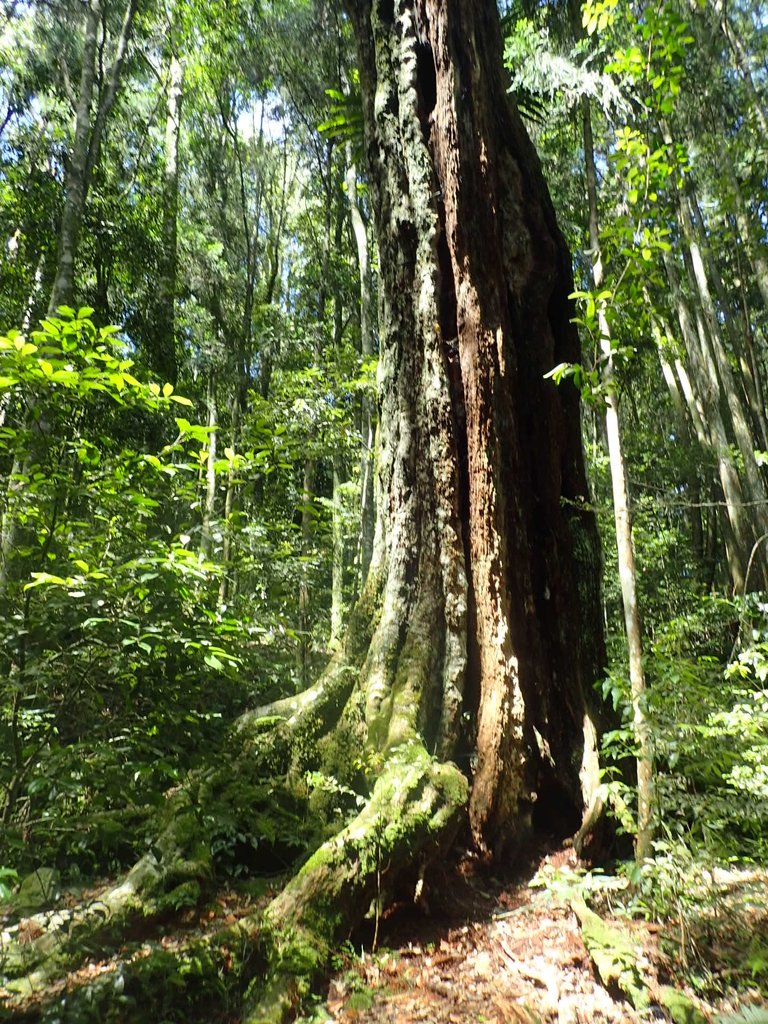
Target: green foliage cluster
x=710, y=736
x=672, y=110
x=164, y=554
x=117, y=671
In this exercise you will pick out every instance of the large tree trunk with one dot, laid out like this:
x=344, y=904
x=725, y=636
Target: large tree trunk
x=481, y=537
x=465, y=682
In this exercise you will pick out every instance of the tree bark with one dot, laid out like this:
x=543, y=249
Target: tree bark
x=481, y=472
x=368, y=414
x=163, y=357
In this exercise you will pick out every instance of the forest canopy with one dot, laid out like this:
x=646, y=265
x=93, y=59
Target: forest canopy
x=383, y=440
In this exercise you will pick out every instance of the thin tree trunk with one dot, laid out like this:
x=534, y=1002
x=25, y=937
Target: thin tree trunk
x=704, y=405
x=754, y=487
x=741, y=59
x=727, y=312
x=367, y=417
x=749, y=235
x=305, y=591
x=243, y=355
x=621, y=510
x=267, y=352
x=754, y=362
x=86, y=145
x=337, y=564
x=713, y=518
x=209, y=504
x=9, y=525
x=310, y=463
x=338, y=545
x=76, y=184
x=728, y=386
x=691, y=474
x=34, y=295
x=110, y=86
x=163, y=356
x=730, y=509
x=226, y=585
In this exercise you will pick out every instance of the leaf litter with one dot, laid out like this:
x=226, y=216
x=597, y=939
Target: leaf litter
x=491, y=952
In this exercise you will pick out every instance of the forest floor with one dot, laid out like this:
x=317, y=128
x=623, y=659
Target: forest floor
x=478, y=949
x=493, y=952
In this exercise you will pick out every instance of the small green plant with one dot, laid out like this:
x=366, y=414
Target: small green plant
x=747, y=1015
x=8, y=879
x=561, y=884
x=757, y=959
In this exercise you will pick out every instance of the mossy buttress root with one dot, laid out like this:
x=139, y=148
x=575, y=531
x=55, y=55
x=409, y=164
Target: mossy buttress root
x=411, y=816
x=268, y=961
x=197, y=977
x=43, y=946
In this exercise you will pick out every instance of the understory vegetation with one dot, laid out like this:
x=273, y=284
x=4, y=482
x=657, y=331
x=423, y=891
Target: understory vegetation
x=188, y=497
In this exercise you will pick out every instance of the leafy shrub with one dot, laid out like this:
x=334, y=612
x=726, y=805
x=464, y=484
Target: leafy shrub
x=118, y=667
x=709, y=724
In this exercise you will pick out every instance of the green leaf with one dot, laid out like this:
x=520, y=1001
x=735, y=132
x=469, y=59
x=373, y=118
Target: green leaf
x=41, y=579
x=558, y=372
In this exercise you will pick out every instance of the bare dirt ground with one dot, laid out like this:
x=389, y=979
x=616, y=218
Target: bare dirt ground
x=493, y=953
